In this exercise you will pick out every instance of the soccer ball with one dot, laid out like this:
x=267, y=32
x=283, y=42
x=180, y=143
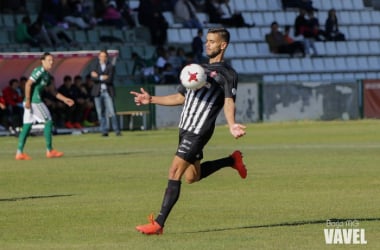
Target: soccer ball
x=193, y=76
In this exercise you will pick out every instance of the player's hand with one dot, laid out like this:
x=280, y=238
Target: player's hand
x=69, y=102
x=141, y=98
x=237, y=130
x=27, y=104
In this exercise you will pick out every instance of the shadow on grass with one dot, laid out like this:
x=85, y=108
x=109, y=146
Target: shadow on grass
x=286, y=224
x=35, y=197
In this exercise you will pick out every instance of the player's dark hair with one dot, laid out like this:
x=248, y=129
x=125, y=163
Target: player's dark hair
x=45, y=55
x=223, y=32
x=77, y=77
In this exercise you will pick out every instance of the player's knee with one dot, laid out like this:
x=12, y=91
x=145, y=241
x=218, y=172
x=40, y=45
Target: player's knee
x=191, y=179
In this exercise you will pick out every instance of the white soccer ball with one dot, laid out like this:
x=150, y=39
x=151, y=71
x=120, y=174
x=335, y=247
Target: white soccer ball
x=193, y=76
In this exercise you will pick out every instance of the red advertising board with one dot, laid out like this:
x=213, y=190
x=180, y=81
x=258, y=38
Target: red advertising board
x=371, y=98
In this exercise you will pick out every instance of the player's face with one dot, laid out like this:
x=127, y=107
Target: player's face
x=47, y=63
x=214, y=45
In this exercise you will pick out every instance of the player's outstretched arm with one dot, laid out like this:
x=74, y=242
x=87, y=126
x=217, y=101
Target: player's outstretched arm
x=237, y=130
x=144, y=98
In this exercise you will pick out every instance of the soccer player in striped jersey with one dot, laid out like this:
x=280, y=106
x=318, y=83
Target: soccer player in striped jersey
x=197, y=123
x=36, y=111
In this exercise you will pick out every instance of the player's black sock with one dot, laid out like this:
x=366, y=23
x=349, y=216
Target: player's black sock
x=210, y=167
x=170, y=198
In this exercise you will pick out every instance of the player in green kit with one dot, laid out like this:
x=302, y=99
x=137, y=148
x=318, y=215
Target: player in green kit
x=36, y=111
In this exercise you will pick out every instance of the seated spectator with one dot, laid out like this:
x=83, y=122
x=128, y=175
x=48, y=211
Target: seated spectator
x=304, y=4
x=73, y=114
x=22, y=33
x=318, y=33
x=278, y=44
x=185, y=13
x=150, y=15
x=90, y=115
x=3, y=113
x=197, y=46
x=75, y=14
x=82, y=99
x=50, y=20
x=303, y=29
x=13, y=101
x=168, y=75
x=55, y=106
x=113, y=17
x=332, y=27
x=13, y=6
x=310, y=45
x=216, y=14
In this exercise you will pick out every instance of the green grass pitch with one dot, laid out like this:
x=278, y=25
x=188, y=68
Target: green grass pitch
x=300, y=174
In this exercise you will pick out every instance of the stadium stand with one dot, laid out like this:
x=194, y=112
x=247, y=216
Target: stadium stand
x=355, y=58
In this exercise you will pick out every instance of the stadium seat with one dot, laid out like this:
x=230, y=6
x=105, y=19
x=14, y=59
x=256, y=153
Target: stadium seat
x=93, y=36
x=354, y=17
x=284, y=65
x=260, y=66
x=295, y=64
x=230, y=52
x=249, y=66
x=347, y=5
x=373, y=63
x=318, y=64
x=343, y=49
x=331, y=48
x=272, y=65
x=240, y=50
x=185, y=35
x=358, y=5
x=239, y=5
x=340, y=64
x=303, y=77
x=292, y=78
x=307, y=65
x=170, y=19
x=8, y=21
x=363, y=48
x=80, y=36
x=244, y=34
x=251, y=49
x=4, y=37
x=256, y=35
x=374, y=47
x=237, y=64
x=374, y=31
x=173, y=35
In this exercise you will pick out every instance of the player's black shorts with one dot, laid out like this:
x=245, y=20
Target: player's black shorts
x=190, y=146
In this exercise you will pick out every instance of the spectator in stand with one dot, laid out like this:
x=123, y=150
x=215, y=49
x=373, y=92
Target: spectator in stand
x=82, y=99
x=185, y=13
x=150, y=15
x=318, y=33
x=304, y=4
x=13, y=6
x=22, y=32
x=168, y=75
x=278, y=45
x=126, y=13
x=13, y=100
x=51, y=18
x=303, y=29
x=3, y=111
x=90, y=117
x=21, y=88
x=75, y=14
x=197, y=46
x=55, y=106
x=113, y=17
x=332, y=27
x=74, y=113
x=291, y=40
x=214, y=10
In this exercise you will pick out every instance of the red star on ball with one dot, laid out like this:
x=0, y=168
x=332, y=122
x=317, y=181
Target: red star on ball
x=193, y=76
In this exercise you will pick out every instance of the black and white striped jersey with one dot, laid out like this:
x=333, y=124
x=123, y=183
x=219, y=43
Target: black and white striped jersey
x=203, y=105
